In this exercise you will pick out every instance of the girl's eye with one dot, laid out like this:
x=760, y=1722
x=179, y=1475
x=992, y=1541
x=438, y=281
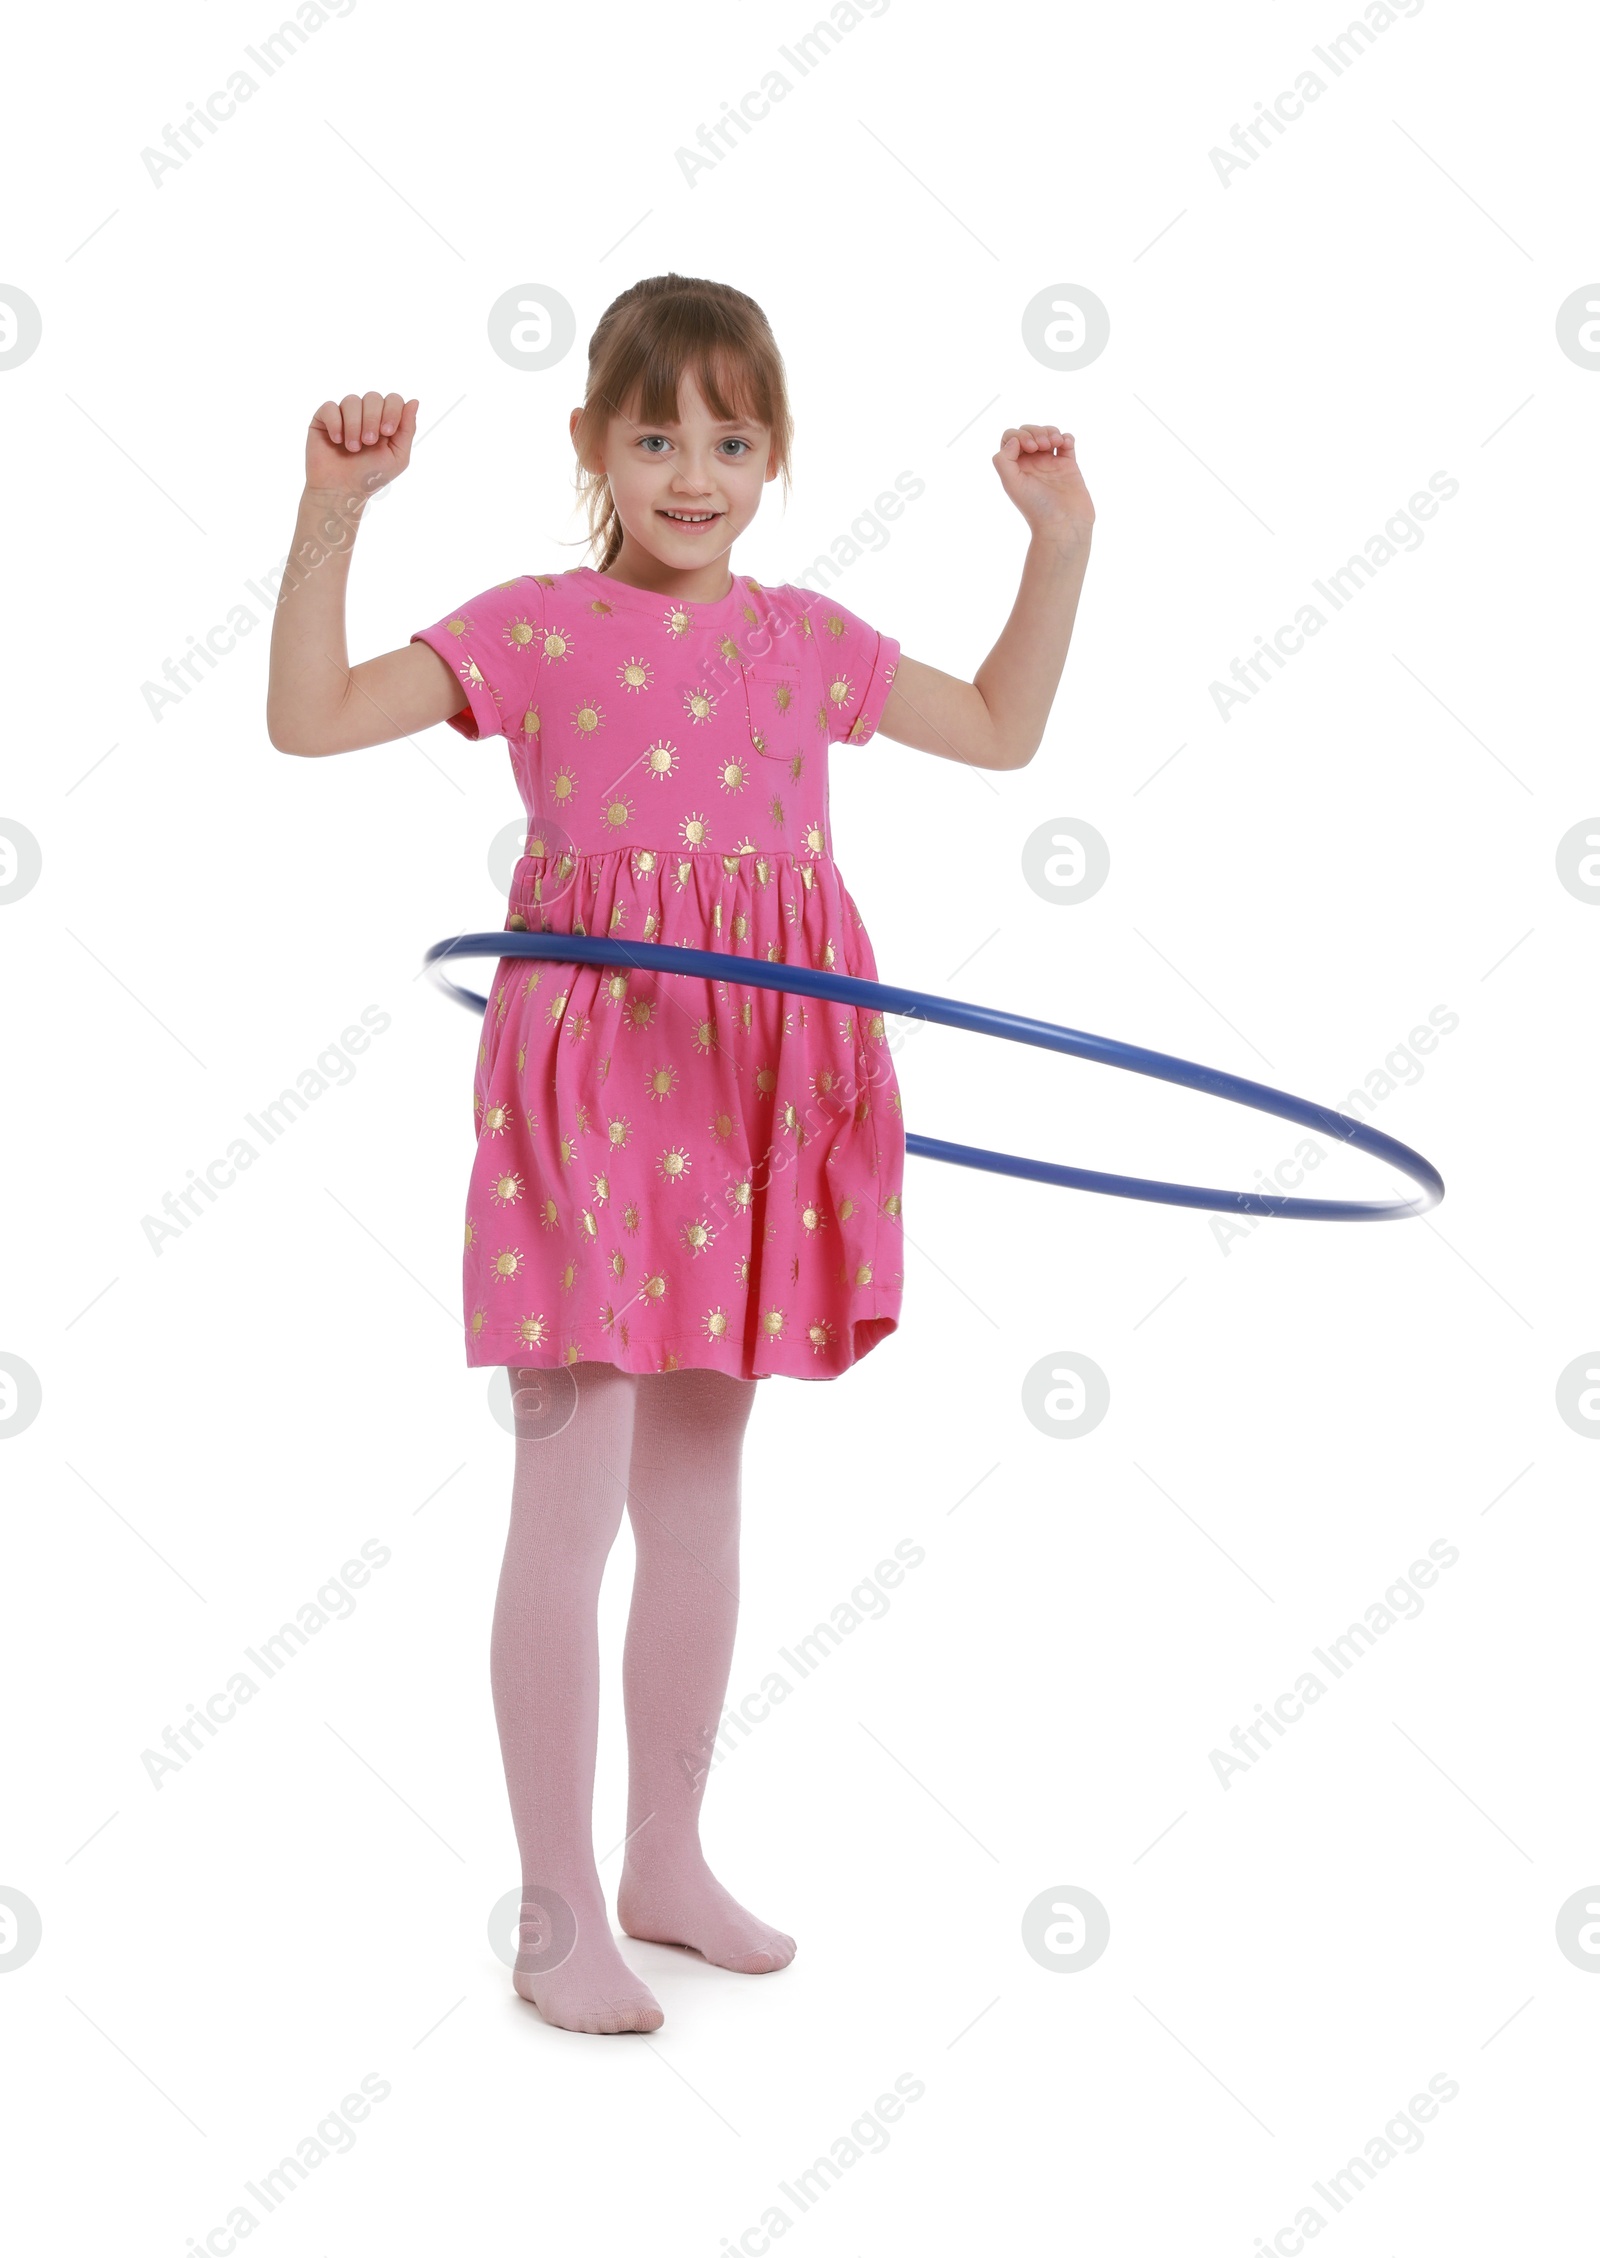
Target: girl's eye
x=744, y=443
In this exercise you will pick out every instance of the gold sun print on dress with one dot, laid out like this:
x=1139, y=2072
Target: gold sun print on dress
x=841, y=692
x=588, y=717
x=700, y=704
x=830, y=1087
x=673, y=1164
x=635, y=674
x=618, y=813
x=733, y=777
x=557, y=644
x=519, y=634
x=791, y=1122
x=662, y=1081
x=506, y=1189
x=696, y=831
x=660, y=760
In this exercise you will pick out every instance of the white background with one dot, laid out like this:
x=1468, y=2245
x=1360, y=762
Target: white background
x=1292, y=1421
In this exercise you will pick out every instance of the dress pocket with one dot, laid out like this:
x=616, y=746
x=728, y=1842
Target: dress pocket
x=773, y=693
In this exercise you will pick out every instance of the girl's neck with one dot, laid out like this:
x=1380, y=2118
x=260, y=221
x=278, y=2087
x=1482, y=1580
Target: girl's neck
x=637, y=568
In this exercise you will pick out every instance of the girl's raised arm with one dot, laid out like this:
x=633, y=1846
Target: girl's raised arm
x=997, y=720
x=317, y=702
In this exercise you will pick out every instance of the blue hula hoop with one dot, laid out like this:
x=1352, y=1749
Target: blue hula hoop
x=909, y=1003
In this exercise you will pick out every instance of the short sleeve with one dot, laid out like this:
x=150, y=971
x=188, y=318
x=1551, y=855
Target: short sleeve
x=858, y=670
x=493, y=646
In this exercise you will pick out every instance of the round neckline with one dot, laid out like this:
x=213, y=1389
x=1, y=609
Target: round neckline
x=737, y=596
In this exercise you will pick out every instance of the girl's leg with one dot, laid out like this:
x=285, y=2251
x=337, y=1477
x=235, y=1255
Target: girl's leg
x=683, y=1502
x=566, y=1508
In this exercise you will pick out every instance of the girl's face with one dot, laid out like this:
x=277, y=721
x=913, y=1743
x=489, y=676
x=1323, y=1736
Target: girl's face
x=686, y=490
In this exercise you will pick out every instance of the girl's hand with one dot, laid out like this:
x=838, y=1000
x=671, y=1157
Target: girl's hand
x=360, y=443
x=1038, y=468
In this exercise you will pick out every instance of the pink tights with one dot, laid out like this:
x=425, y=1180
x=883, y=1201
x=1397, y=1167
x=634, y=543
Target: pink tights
x=668, y=1445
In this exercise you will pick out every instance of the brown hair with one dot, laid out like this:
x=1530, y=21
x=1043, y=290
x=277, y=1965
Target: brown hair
x=641, y=346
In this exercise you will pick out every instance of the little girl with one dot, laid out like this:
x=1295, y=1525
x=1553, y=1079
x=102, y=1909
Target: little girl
x=681, y=1186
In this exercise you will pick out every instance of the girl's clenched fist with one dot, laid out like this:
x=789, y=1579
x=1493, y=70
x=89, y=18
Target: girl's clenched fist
x=358, y=444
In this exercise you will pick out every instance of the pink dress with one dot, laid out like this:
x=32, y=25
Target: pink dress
x=671, y=1170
